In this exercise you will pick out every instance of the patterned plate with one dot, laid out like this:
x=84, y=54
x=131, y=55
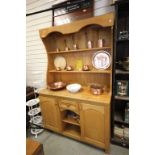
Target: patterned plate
x=101, y=60
x=32, y=102
x=36, y=120
x=34, y=111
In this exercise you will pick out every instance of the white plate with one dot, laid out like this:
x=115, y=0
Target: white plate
x=60, y=61
x=32, y=102
x=101, y=60
x=34, y=111
x=36, y=120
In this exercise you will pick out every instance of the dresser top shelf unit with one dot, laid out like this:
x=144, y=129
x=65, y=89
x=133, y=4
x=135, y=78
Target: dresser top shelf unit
x=57, y=38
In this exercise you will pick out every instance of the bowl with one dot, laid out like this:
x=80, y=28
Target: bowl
x=57, y=85
x=73, y=88
x=96, y=89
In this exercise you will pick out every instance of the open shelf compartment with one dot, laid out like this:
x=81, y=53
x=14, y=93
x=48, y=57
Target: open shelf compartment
x=72, y=131
x=70, y=117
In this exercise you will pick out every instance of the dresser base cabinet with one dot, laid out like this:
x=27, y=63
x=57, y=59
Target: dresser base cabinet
x=93, y=126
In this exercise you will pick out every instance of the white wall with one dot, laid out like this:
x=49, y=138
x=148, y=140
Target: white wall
x=36, y=59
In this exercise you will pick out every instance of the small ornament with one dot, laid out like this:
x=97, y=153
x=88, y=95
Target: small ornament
x=69, y=68
x=100, y=43
x=85, y=68
x=58, y=69
x=75, y=46
x=79, y=65
x=66, y=49
x=89, y=45
x=57, y=50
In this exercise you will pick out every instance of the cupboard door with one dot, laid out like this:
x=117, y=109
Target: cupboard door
x=50, y=113
x=93, y=124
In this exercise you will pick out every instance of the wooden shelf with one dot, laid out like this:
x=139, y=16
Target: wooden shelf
x=118, y=71
x=72, y=131
x=75, y=71
x=118, y=118
x=126, y=98
x=79, y=50
x=71, y=121
x=124, y=40
x=84, y=94
x=122, y=122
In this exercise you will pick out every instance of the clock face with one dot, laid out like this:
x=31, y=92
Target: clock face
x=101, y=60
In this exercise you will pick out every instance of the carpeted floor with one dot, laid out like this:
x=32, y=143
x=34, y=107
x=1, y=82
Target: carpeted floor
x=55, y=144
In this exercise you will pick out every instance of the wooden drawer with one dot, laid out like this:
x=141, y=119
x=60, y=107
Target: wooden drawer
x=68, y=105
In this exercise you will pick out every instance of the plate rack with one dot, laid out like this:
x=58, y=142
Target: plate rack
x=35, y=119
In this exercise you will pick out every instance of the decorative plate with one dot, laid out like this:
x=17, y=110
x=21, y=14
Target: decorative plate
x=60, y=61
x=101, y=60
x=32, y=102
x=34, y=111
x=36, y=120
